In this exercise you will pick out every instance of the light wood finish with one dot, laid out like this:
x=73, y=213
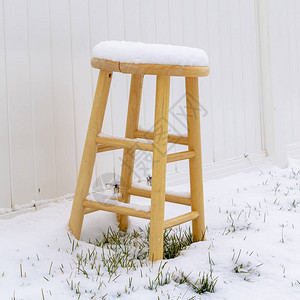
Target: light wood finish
x=180, y=156
x=89, y=152
x=195, y=163
x=104, y=148
x=89, y=210
x=175, y=139
x=127, y=211
x=95, y=143
x=159, y=167
x=124, y=143
x=104, y=64
x=132, y=124
x=168, y=198
x=149, y=69
x=181, y=219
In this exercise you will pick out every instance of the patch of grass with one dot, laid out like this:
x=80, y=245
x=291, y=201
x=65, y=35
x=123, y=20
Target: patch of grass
x=205, y=283
x=176, y=240
x=244, y=268
x=161, y=279
x=130, y=250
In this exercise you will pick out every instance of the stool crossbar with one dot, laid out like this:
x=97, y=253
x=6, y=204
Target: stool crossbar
x=156, y=142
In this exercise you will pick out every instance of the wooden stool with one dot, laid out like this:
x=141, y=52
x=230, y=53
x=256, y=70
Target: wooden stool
x=95, y=142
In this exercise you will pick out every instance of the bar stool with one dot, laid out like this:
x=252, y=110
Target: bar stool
x=163, y=61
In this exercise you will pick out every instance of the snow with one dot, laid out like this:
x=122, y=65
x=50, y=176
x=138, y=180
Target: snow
x=252, y=219
x=137, y=53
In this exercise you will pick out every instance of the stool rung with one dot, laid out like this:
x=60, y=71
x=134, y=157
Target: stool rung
x=122, y=210
x=176, y=139
x=104, y=148
x=181, y=219
x=180, y=156
x=124, y=143
x=168, y=197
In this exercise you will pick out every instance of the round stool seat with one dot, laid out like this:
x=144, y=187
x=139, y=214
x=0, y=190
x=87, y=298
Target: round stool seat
x=150, y=59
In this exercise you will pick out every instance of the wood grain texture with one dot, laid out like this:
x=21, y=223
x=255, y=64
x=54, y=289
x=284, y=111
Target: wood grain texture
x=89, y=152
x=159, y=167
x=180, y=156
x=181, y=219
x=149, y=69
x=172, y=138
x=124, y=143
x=194, y=139
x=126, y=211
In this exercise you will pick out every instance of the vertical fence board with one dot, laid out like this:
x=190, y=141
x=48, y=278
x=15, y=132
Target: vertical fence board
x=248, y=76
x=255, y=59
x=20, y=107
x=216, y=79
x=294, y=48
x=81, y=68
x=238, y=76
x=61, y=57
x=204, y=84
x=5, y=176
x=41, y=97
x=226, y=75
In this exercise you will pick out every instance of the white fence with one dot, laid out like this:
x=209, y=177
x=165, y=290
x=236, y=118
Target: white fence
x=47, y=85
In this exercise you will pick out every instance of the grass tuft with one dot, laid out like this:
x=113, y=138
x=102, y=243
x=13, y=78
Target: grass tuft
x=205, y=283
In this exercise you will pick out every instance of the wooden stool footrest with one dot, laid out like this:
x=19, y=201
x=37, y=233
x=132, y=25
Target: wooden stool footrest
x=168, y=198
x=172, y=138
x=181, y=219
x=180, y=156
x=124, y=143
x=104, y=148
x=120, y=208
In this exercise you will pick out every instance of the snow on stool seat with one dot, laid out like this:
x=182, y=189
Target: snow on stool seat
x=151, y=59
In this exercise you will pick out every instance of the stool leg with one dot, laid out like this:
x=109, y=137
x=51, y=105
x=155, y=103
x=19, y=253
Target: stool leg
x=194, y=142
x=89, y=152
x=129, y=154
x=159, y=168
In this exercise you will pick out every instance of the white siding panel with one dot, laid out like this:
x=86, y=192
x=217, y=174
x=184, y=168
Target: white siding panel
x=226, y=75
x=41, y=97
x=81, y=68
x=216, y=79
x=237, y=77
x=5, y=187
x=20, y=106
x=61, y=56
x=248, y=76
x=294, y=48
x=204, y=84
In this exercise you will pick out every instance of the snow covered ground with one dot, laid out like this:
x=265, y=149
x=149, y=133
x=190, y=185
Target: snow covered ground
x=253, y=246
